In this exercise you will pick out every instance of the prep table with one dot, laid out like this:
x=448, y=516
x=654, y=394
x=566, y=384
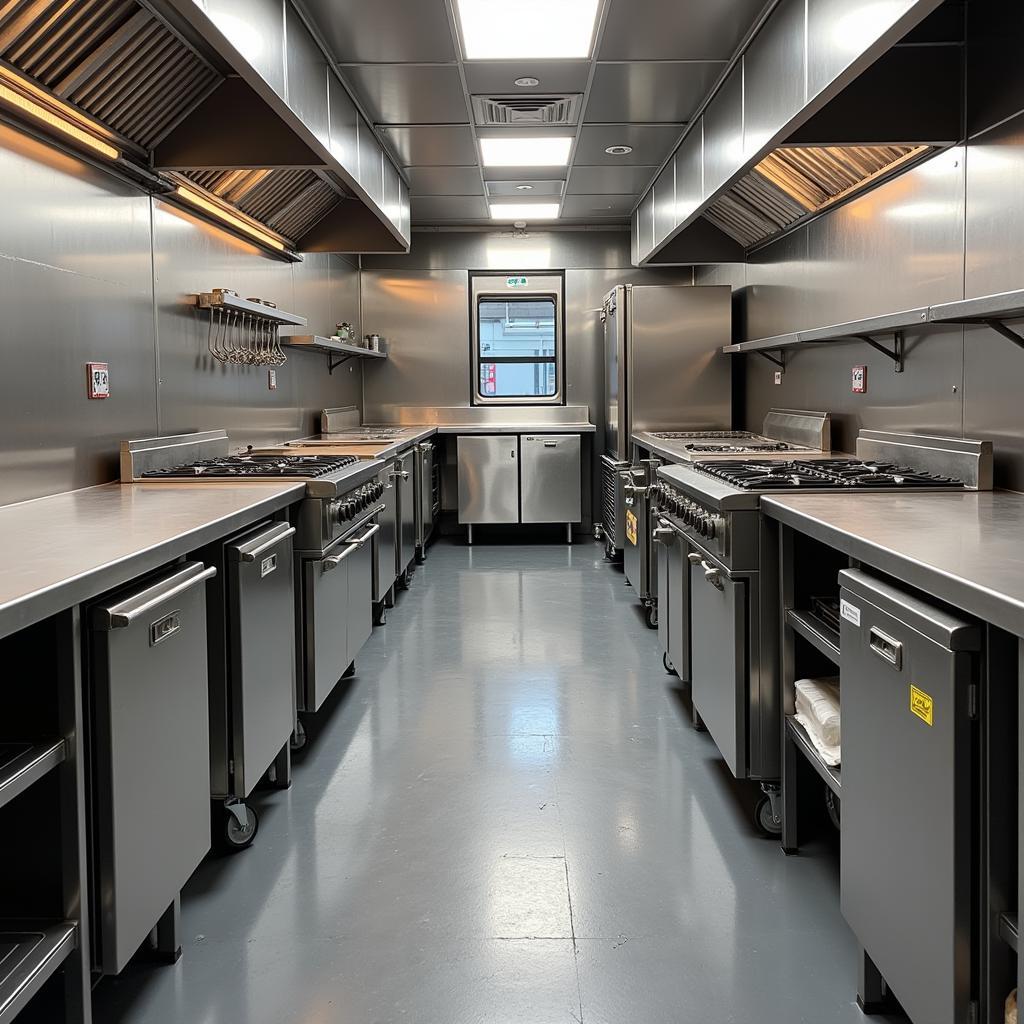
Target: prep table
x=964, y=551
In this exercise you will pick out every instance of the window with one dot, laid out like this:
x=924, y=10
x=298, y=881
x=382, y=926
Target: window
x=518, y=342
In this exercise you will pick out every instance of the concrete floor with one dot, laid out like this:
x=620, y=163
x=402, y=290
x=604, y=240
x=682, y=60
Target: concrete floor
x=507, y=818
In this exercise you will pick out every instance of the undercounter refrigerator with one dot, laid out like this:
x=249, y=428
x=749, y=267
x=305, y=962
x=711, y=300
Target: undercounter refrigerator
x=664, y=370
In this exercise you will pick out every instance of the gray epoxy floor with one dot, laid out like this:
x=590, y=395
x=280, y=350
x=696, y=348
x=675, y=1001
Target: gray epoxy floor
x=507, y=818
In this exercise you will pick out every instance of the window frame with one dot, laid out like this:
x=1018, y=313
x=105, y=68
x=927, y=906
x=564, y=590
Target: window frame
x=493, y=287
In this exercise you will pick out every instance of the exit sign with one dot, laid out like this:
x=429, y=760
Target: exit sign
x=517, y=281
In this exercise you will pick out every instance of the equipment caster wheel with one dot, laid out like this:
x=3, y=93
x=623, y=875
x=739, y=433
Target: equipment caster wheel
x=651, y=616
x=764, y=816
x=668, y=665
x=833, y=805
x=299, y=737
x=239, y=825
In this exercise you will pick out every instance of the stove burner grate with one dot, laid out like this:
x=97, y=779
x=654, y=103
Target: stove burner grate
x=757, y=475
x=304, y=466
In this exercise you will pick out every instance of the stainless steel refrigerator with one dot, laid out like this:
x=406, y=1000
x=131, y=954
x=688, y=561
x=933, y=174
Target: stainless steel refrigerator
x=664, y=370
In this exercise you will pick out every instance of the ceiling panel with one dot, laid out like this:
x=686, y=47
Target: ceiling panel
x=598, y=207
x=444, y=181
x=433, y=145
x=408, y=93
x=651, y=90
x=500, y=76
x=676, y=29
x=613, y=180
x=511, y=188
x=386, y=30
x=431, y=209
x=651, y=143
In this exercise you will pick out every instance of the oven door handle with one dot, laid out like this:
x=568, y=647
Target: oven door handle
x=254, y=553
x=372, y=531
x=329, y=562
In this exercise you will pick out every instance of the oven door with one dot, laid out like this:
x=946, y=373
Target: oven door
x=673, y=596
x=719, y=649
x=334, y=627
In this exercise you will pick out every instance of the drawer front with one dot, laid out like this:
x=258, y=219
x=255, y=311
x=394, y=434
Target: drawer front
x=151, y=754
x=718, y=660
x=261, y=618
x=907, y=820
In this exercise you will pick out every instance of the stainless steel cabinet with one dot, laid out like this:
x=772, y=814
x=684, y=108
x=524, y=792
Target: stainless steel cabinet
x=405, y=481
x=385, y=544
x=150, y=751
x=550, y=478
x=673, y=581
x=261, y=652
x=488, y=479
x=909, y=674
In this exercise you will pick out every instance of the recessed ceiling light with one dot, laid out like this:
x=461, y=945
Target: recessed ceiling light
x=527, y=83
x=527, y=29
x=619, y=150
x=524, y=211
x=536, y=152
x=524, y=188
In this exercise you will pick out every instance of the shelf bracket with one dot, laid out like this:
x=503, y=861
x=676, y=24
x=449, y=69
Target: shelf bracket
x=333, y=364
x=896, y=353
x=779, y=360
x=1007, y=332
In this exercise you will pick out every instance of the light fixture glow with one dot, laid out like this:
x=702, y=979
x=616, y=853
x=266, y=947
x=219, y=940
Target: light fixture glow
x=527, y=29
x=204, y=204
x=42, y=113
x=524, y=211
x=619, y=150
x=538, y=152
x=524, y=188
x=527, y=83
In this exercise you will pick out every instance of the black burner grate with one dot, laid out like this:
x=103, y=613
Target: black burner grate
x=764, y=475
x=257, y=466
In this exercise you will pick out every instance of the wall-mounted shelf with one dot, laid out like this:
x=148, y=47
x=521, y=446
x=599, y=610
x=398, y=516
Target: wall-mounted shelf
x=22, y=764
x=991, y=310
x=29, y=955
x=338, y=352
x=237, y=305
x=894, y=324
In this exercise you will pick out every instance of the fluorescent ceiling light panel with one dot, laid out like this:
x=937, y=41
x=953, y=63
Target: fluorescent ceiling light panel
x=524, y=211
x=527, y=29
x=537, y=152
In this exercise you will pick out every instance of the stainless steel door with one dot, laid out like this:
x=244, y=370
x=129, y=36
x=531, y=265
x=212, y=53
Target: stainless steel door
x=634, y=528
x=150, y=750
x=424, y=478
x=549, y=466
x=406, y=484
x=617, y=438
x=488, y=479
x=359, y=621
x=385, y=543
x=673, y=597
x=261, y=609
x=325, y=636
x=908, y=820
x=718, y=656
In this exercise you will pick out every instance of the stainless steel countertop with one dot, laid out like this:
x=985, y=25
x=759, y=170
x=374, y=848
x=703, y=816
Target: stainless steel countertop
x=63, y=549
x=516, y=428
x=965, y=549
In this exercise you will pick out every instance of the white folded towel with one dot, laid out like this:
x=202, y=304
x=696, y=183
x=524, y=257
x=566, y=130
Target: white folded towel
x=817, y=710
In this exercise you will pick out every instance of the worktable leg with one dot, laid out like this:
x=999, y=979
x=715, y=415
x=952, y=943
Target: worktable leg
x=568, y=533
x=168, y=933
x=872, y=995
x=469, y=534
x=790, y=768
x=281, y=770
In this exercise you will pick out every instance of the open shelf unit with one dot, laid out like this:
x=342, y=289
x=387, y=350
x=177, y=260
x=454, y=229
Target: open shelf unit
x=30, y=953
x=991, y=310
x=338, y=352
x=22, y=764
x=815, y=631
x=798, y=735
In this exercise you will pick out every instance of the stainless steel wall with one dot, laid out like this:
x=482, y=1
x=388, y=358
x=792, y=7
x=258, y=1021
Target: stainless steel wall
x=951, y=228
x=91, y=269
x=420, y=304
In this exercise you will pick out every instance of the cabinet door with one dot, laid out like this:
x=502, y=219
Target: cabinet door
x=489, y=479
x=550, y=478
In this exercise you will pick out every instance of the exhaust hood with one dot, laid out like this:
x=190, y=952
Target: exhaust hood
x=129, y=79
x=795, y=182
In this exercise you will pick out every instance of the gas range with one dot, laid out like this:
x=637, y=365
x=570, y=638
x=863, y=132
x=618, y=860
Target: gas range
x=763, y=475
x=696, y=443
x=342, y=491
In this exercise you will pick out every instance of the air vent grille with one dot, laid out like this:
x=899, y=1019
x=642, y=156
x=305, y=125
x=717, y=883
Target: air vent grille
x=794, y=182
x=110, y=58
x=525, y=111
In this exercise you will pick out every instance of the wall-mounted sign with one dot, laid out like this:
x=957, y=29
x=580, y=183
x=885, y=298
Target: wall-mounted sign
x=518, y=281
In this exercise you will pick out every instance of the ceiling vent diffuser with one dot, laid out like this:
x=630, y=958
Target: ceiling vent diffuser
x=795, y=182
x=526, y=111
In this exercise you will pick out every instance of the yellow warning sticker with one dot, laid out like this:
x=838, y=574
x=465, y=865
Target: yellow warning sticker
x=631, y=524
x=922, y=705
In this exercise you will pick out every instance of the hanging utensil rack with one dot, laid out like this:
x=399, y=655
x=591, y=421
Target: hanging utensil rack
x=245, y=331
